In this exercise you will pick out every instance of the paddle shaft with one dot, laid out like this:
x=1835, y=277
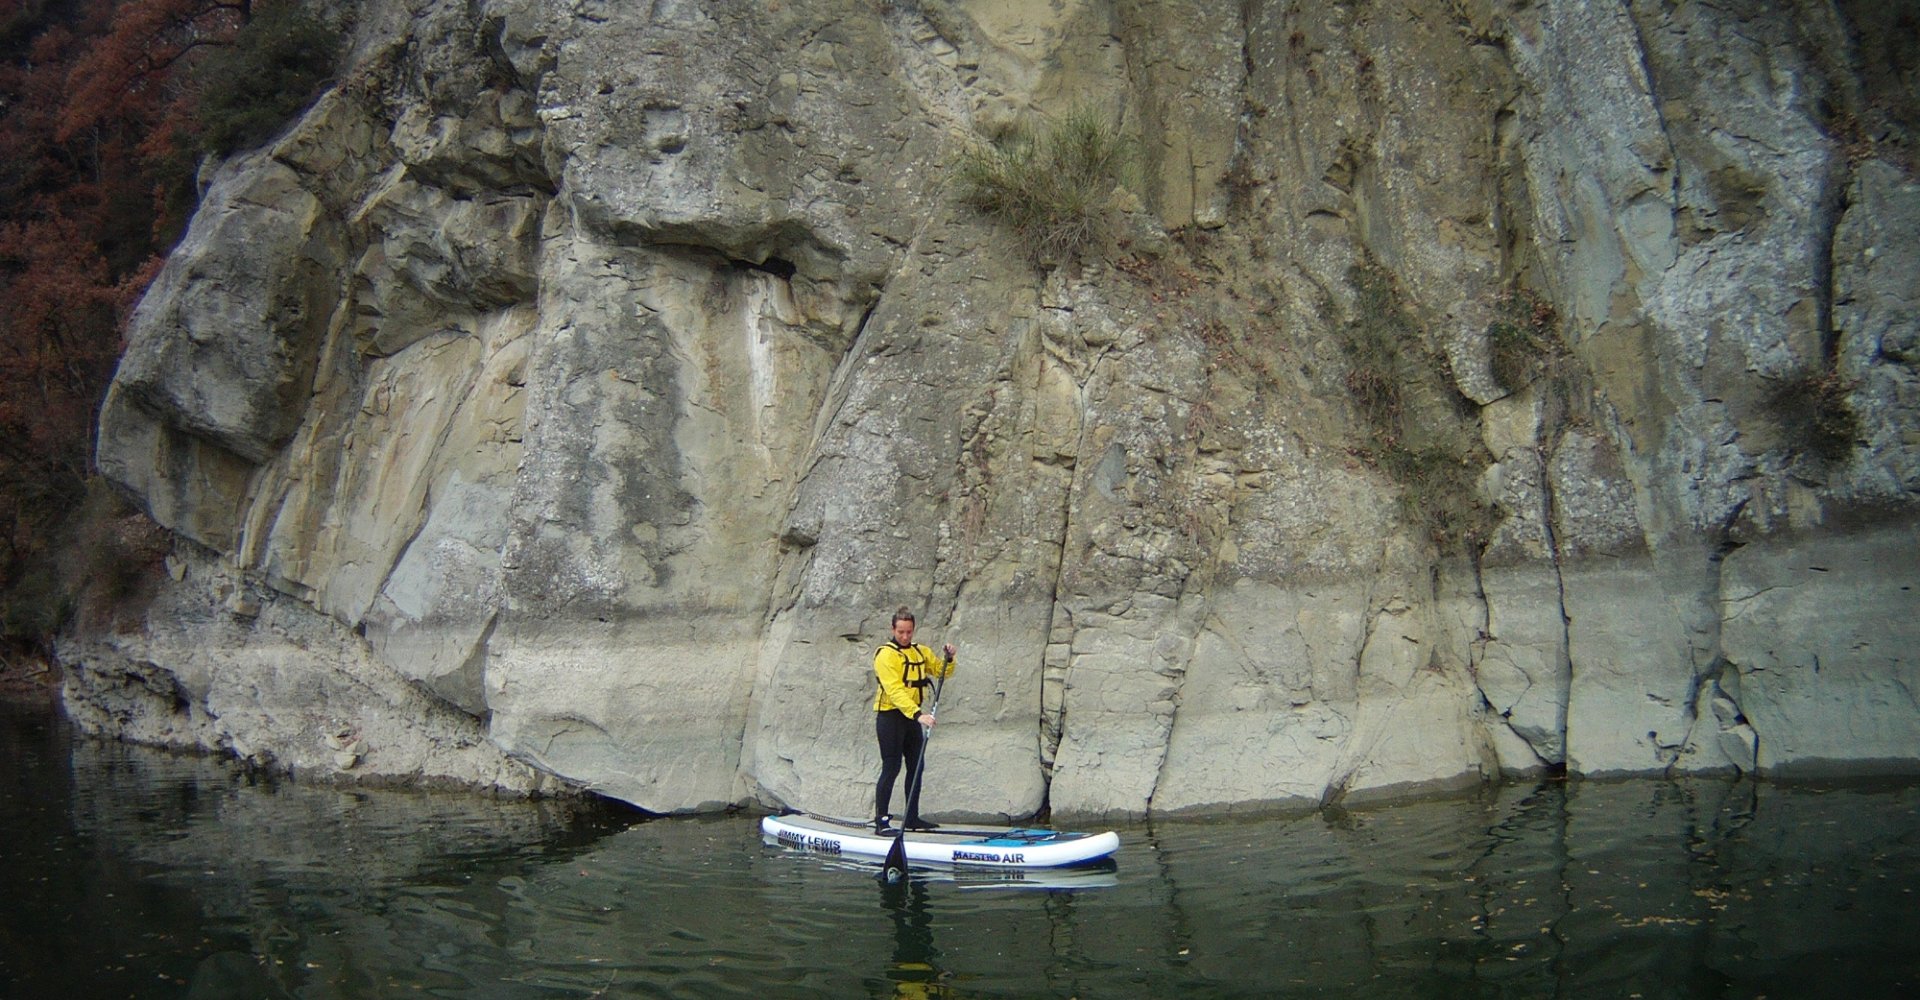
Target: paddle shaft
x=895, y=868
x=926, y=737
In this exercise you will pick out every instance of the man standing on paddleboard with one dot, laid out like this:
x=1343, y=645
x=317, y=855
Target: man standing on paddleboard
x=905, y=671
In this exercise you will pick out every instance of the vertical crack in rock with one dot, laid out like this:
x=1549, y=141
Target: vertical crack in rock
x=1196, y=607
x=1055, y=658
x=1486, y=710
x=1716, y=688
x=1056, y=655
x=832, y=404
x=1556, y=561
x=1826, y=230
x=1336, y=791
x=796, y=539
x=1191, y=614
x=1352, y=756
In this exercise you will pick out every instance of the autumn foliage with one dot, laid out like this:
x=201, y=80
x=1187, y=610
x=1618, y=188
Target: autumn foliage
x=103, y=123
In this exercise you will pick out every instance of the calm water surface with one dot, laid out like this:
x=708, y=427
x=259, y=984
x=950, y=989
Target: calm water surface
x=129, y=872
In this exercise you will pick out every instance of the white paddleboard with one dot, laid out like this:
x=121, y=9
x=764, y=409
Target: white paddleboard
x=959, y=844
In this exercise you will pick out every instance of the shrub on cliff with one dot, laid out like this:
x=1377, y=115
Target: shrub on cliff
x=102, y=553
x=1520, y=339
x=1052, y=186
x=1814, y=414
x=273, y=69
x=1417, y=427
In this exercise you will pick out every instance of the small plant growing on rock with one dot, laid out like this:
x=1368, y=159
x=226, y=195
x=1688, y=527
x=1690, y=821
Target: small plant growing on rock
x=1051, y=186
x=1520, y=339
x=1402, y=390
x=1377, y=341
x=1438, y=494
x=1812, y=408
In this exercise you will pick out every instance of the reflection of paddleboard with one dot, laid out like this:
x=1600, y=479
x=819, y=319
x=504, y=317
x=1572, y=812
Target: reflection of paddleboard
x=968, y=845
x=1101, y=874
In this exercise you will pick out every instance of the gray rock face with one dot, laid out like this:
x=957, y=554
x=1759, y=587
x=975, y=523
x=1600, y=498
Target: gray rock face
x=570, y=395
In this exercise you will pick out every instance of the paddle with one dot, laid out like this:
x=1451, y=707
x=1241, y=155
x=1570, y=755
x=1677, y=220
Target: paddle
x=895, y=868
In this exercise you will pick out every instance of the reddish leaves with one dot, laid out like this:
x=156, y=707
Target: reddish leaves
x=93, y=101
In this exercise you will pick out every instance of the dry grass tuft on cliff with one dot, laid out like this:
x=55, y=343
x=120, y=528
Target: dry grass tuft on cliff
x=1052, y=187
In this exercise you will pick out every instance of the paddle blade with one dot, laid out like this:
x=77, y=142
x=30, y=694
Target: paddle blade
x=895, y=869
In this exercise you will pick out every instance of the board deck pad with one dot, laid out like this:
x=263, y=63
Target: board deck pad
x=959, y=844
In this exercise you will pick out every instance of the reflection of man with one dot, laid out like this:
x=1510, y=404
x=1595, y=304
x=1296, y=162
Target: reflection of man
x=905, y=671
x=915, y=971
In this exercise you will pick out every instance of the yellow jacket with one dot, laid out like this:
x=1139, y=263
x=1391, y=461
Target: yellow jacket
x=899, y=668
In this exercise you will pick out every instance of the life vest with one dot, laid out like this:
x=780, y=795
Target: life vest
x=914, y=661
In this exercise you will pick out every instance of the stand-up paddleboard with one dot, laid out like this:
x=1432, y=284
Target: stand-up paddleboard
x=959, y=844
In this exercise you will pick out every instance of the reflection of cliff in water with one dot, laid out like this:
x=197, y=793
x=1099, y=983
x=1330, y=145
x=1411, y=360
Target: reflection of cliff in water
x=1678, y=888
x=134, y=872
x=74, y=917
x=312, y=887
x=245, y=829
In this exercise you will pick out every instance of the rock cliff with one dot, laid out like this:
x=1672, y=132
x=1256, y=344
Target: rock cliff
x=1458, y=387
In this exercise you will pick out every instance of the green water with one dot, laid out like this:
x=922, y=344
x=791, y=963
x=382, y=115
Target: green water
x=129, y=872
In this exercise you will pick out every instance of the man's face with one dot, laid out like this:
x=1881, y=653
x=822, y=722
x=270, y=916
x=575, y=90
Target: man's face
x=903, y=632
